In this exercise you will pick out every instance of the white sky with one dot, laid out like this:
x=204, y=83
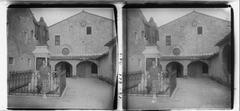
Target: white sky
x=160, y=15
x=165, y=15
x=54, y=15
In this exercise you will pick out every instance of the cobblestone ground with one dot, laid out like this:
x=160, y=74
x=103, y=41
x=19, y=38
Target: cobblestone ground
x=81, y=93
x=192, y=93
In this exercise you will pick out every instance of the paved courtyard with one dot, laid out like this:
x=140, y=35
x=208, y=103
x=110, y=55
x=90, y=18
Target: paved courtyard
x=84, y=93
x=190, y=93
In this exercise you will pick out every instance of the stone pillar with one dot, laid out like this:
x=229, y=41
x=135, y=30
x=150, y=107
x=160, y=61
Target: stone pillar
x=164, y=65
x=53, y=64
x=74, y=68
x=185, y=70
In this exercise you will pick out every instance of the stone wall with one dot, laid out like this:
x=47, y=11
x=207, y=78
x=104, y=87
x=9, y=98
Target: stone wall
x=72, y=32
x=105, y=66
x=136, y=23
x=183, y=32
x=218, y=68
x=21, y=39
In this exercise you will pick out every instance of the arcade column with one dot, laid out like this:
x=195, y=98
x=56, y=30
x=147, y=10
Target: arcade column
x=185, y=70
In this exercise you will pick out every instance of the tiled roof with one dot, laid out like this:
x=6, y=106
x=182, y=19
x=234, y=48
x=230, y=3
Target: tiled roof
x=224, y=40
x=111, y=42
x=189, y=57
x=80, y=57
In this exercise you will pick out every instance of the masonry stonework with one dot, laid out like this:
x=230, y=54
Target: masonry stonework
x=21, y=39
x=192, y=43
x=84, y=36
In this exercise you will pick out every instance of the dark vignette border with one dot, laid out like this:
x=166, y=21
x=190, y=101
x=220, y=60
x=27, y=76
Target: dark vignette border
x=176, y=4
x=69, y=4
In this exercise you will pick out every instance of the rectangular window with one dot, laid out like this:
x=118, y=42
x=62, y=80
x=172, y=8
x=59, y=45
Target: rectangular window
x=32, y=34
x=89, y=30
x=10, y=60
x=143, y=34
x=57, y=39
x=168, y=40
x=199, y=30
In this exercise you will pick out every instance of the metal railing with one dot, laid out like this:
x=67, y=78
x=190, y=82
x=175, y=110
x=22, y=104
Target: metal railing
x=172, y=81
x=164, y=84
x=28, y=83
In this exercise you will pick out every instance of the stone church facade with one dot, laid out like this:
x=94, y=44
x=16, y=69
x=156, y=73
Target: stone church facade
x=186, y=44
x=78, y=44
x=190, y=40
x=83, y=44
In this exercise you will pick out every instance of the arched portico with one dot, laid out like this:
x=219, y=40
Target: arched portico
x=87, y=69
x=63, y=65
x=175, y=66
x=197, y=69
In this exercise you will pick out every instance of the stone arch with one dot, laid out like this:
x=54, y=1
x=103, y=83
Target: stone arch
x=87, y=69
x=175, y=66
x=198, y=68
x=64, y=65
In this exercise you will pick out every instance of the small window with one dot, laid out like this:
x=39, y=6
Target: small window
x=29, y=62
x=176, y=51
x=168, y=40
x=26, y=37
x=89, y=30
x=65, y=51
x=32, y=34
x=57, y=39
x=143, y=34
x=10, y=60
x=136, y=37
x=199, y=30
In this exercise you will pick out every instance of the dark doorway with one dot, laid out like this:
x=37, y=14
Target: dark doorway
x=175, y=67
x=197, y=69
x=87, y=69
x=65, y=66
x=94, y=69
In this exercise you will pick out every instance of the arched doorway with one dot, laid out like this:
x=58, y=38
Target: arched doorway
x=65, y=66
x=175, y=66
x=87, y=69
x=197, y=69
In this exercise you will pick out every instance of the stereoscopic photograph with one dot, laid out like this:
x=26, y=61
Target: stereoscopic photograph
x=178, y=58
x=61, y=58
